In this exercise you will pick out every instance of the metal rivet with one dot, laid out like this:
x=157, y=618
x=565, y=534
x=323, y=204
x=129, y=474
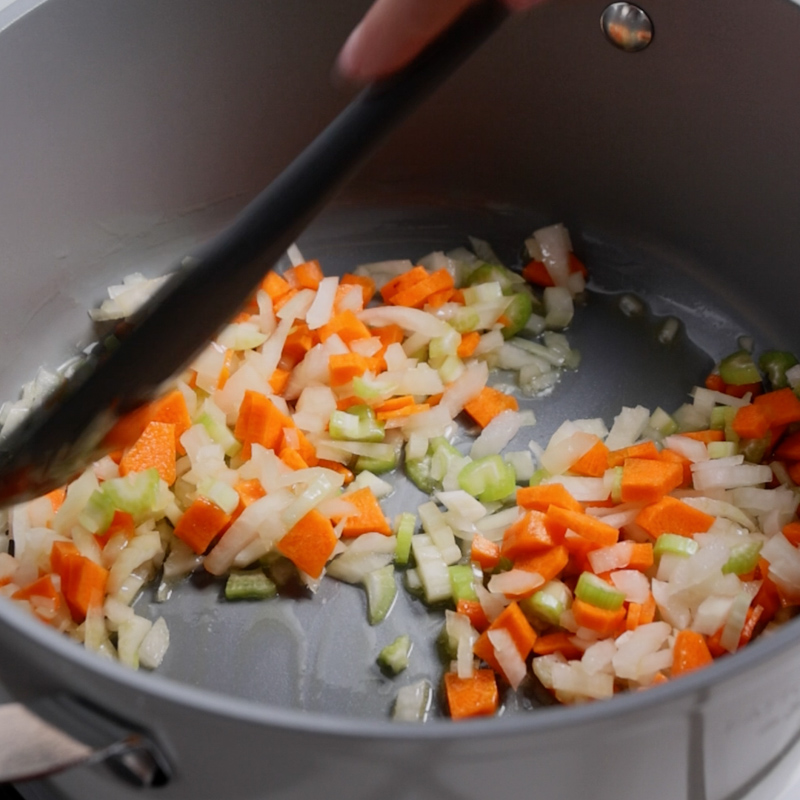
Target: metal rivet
x=627, y=26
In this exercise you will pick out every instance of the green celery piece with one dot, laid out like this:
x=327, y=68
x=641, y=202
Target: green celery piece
x=663, y=422
x=98, y=513
x=465, y=319
x=418, y=470
x=754, y=450
x=462, y=582
x=395, y=656
x=743, y=559
x=722, y=420
x=739, y=368
x=722, y=449
x=343, y=426
x=538, y=476
x=492, y=273
x=442, y=454
x=221, y=434
x=381, y=592
x=616, y=485
x=774, y=364
x=542, y=605
x=675, y=544
x=597, y=592
x=375, y=465
x=251, y=585
x=489, y=479
x=406, y=524
x=518, y=312
x=135, y=493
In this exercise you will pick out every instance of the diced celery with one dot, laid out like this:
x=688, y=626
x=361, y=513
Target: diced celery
x=538, y=476
x=722, y=449
x=489, y=479
x=343, y=425
x=413, y=702
x=376, y=465
x=616, y=484
x=394, y=657
x=136, y=493
x=224, y=495
x=754, y=450
x=597, y=592
x=220, y=433
x=97, y=513
x=418, y=470
x=461, y=582
x=381, y=592
x=743, y=558
x=662, y=422
x=443, y=346
x=250, y=585
x=466, y=319
x=675, y=544
x=451, y=369
x=547, y=604
x=482, y=293
x=357, y=425
x=492, y=273
x=518, y=312
x=775, y=364
x=406, y=523
x=739, y=368
x=431, y=569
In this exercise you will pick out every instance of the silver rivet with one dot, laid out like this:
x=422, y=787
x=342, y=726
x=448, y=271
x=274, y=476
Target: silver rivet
x=627, y=26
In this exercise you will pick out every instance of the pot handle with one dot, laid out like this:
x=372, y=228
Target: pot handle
x=56, y=733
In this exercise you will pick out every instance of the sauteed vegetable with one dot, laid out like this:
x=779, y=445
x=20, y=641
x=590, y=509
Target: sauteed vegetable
x=608, y=559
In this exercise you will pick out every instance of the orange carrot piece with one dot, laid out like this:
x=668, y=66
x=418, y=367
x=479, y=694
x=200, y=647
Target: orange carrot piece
x=305, y=276
x=742, y=389
x=305, y=448
x=346, y=325
x=751, y=621
x=548, y=564
x=279, y=302
x=600, y=620
x=578, y=549
x=633, y=616
x=469, y=341
x=346, y=366
x=154, y=449
x=367, y=517
x=405, y=411
x=488, y=404
x=591, y=528
x=56, y=497
x=41, y=587
x=415, y=295
x=201, y=523
x=677, y=458
x=706, y=436
x=58, y=556
x=647, y=480
x=225, y=372
x=389, y=334
x=259, y=422
x=172, y=408
x=750, y=422
x=780, y=407
x=670, y=515
x=559, y=642
x=540, y=498
x=473, y=610
x=337, y=467
x=789, y=448
x=84, y=587
x=394, y=403
x=792, y=532
x=616, y=458
x=690, y=652
x=366, y=284
x=402, y=281
x=121, y=522
x=593, y=463
x=641, y=556
x=292, y=458
x=512, y=620
x=715, y=383
x=438, y=299
x=484, y=552
x=249, y=491
x=310, y=543
x=275, y=285
x=476, y=696
x=279, y=380
x=536, y=272
x=528, y=535
x=299, y=341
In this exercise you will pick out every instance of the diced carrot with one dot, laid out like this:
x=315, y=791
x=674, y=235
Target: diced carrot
x=616, y=458
x=469, y=341
x=405, y=411
x=512, y=620
x=305, y=276
x=394, y=403
x=457, y=297
x=201, y=523
x=344, y=367
x=275, y=285
x=154, y=449
x=715, y=383
x=548, y=564
x=56, y=497
x=558, y=642
x=475, y=696
x=633, y=616
x=347, y=326
x=337, y=467
x=528, y=535
x=641, y=556
x=249, y=491
x=172, y=408
x=127, y=429
x=750, y=422
x=225, y=372
x=670, y=515
x=299, y=341
x=279, y=380
x=365, y=282
x=402, y=281
x=58, y=555
x=488, y=404
x=484, y=552
x=648, y=610
x=751, y=621
x=677, y=458
x=591, y=528
x=438, y=299
x=292, y=458
x=579, y=549
x=789, y=448
x=647, y=480
x=690, y=652
x=279, y=302
x=780, y=407
x=742, y=389
x=603, y=622
x=389, y=334
x=541, y=497
x=536, y=272
x=593, y=463
x=121, y=522
x=767, y=596
x=310, y=543
x=367, y=517
x=415, y=295
x=259, y=422
x=792, y=532
x=435, y=399
x=305, y=447
x=41, y=587
x=473, y=610
x=706, y=436
x=83, y=585
x=503, y=320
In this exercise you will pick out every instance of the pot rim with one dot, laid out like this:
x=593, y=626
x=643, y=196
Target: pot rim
x=239, y=709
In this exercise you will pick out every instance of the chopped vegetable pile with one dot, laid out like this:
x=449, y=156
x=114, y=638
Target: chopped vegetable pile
x=609, y=559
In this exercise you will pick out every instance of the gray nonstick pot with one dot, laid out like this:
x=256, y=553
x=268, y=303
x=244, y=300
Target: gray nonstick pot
x=129, y=132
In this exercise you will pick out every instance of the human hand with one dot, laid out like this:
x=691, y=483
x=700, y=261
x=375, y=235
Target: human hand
x=393, y=32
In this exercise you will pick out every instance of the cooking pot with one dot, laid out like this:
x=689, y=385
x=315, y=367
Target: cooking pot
x=131, y=131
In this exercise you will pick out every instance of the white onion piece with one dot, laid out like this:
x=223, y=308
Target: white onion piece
x=572, y=681
x=734, y=625
x=464, y=503
x=410, y=319
x=297, y=307
x=496, y=435
x=491, y=603
x=465, y=388
x=628, y=427
x=598, y=656
x=616, y=556
x=507, y=655
x=559, y=457
x=553, y=243
x=321, y=308
x=585, y=490
x=695, y=451
x=515, y=582
x=633, y=583
x=634, y=646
